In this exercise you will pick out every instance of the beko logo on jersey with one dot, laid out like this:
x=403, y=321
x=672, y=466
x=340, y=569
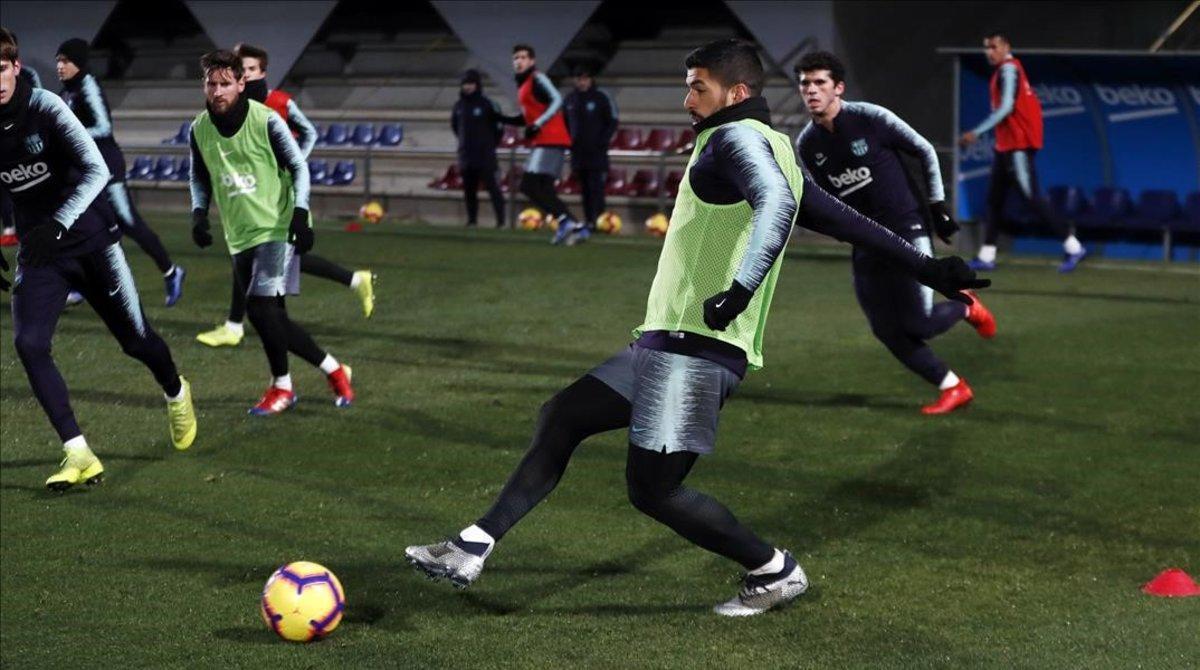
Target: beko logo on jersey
x=25, y=176
x=851, y=179
x=242, y=184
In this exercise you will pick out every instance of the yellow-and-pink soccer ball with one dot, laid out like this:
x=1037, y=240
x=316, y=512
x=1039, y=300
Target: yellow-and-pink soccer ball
x=530, y=219
x=302, y=601
x=371, y=212
x=609, y=223
x=657, y=225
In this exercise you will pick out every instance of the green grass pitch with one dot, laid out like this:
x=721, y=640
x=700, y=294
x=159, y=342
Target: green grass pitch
x=1015, y=533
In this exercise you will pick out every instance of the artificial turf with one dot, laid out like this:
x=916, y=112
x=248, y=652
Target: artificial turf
x=1014, y=533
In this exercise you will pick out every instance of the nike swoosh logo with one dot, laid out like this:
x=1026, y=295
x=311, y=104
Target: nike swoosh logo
x=114, y=291
x=720, y=304
x=821, y=161
x=59, y=236
x=10, y=125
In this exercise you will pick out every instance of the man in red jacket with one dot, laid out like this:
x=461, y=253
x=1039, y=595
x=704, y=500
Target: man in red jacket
x=546, y=130
x=1017, y=117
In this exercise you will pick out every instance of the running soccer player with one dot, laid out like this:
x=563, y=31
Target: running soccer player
x=52, y=172
x=545, y=128
x=703, y=330
x=1017, y=117
x=852, y=150
x=362, y=282
x=244, y=157
x=85, y=97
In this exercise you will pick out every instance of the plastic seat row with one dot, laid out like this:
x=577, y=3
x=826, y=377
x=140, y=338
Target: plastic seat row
x=643, y=183
x=335, y=135
x=1113, y=209
x=169, y=168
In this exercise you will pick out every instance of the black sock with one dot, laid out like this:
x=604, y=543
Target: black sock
x=325, y=269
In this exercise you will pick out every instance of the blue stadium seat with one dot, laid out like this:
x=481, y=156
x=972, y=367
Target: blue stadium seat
x=342, y=174
x=1156, y=210
x=164, y=168
x=390, y=135
x=142, y=166
x=320, y=134
x=1111, y=208
x=337, y=135
x=1068, y=202
x=183, y=169
x=1190, y=222
x=318, y=169
x=180, y=136
x=363, y=135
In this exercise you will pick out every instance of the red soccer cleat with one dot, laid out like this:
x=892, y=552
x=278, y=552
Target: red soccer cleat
x=339, y=383
x=8, y=240
x=951, y=399
x=979, y=316
x=276, y=401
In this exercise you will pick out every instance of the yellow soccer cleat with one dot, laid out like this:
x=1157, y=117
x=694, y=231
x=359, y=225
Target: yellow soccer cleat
x=79, y=466
x=221, y=336
x=366, y=291
x=182, y=417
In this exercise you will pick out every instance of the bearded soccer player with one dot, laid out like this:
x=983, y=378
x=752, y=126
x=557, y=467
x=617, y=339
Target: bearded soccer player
x=362, y=282
x=546, y=130
x=244, y=157
x=852, y=150
x=1017, y=118
x=703, y=330
x=84, y=96
x=52, y=172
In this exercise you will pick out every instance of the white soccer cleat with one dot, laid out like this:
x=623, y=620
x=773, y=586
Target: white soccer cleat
x=447, y=559
x=762, y=592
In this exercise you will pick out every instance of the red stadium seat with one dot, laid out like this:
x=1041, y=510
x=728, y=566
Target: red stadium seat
x=686, y=140
x=570, y=185
x=644, y=184
x=660, y=139
x=674, y=179
x=512, y=180
x=627, y=139
x=450, y=179
x=618, y=181
x=513, y=136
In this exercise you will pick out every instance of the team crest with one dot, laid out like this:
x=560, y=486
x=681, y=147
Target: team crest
x=859, y=147
x=33, y=144
x=591, y=106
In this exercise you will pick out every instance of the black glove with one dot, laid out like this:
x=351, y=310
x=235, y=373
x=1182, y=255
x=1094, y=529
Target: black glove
x=950, y=276
x=532, y=130
x=41, y=243
x=721, y=309
x=200, y=229
x=4, y=285
x=943, y=224
x=300, y=234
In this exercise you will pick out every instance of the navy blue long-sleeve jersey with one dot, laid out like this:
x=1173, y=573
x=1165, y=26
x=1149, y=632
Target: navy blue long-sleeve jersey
x=478, y=124
x=52, y=172
x=592, y=119
x=859, y=163
x=87, y=100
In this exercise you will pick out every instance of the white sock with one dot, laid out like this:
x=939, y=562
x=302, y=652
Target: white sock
x=474, y=533
x=355, y=280
x=235, y=327
x=949, y=381
x=170, y=271
x=770, y=567
x=284, y=382
x=330, y=365
x=76, y=442
x=177, y=397
x=1071, y=245
x=987, y=253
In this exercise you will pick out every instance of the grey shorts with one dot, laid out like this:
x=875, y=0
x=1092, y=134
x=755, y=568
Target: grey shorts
x=546, y=160
x=268, y=270
x=676, y=400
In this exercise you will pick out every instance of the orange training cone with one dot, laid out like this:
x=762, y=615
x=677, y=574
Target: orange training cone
x=1172, y=583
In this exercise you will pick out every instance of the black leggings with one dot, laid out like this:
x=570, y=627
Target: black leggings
x=1013, y=171
x=280, y=334
x=539, y=188
x=655, y=480
x=591, y=186
x=309, y=264
x=471, y=178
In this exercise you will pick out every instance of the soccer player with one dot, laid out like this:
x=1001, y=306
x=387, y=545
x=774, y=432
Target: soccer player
x=1017, y=117
x=244, y=157
x=362, y=282
x=84, y=96
x=8, y=229
x=52, y=172
x=852, y=150
x=592, y=120
x=703, y=330
x=478, y=124
x=545, y=128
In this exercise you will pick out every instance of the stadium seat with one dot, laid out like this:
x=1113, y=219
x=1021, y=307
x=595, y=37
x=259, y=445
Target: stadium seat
x=450, y=179
x=660, y=139
x=320, y=134
x=390, y=135
x=318, y=170
x=363, y=135
x=337, y=135
x=1110, y=209
x=644, y=184
x=674, y=179
x=183, y=169
x=342, y=174
x=164, y=168
x=1156, y=210
x=512, y=180
x=1068, y=202
x=627, y=139
x=686, y=140
x=570, y=185
x=180, y=136
x=618, y=181
x=142, y=167
x=511, y=138
x=1190, y=222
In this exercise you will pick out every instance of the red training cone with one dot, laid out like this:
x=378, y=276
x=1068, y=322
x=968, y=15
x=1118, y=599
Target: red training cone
x=1172, y=583
x=354, y=227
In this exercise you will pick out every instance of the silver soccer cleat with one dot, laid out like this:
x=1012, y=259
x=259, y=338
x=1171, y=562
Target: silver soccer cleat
x=761, y=593
x=448, y=560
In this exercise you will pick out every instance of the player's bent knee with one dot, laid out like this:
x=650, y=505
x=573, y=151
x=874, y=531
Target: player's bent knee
x=30, y=346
